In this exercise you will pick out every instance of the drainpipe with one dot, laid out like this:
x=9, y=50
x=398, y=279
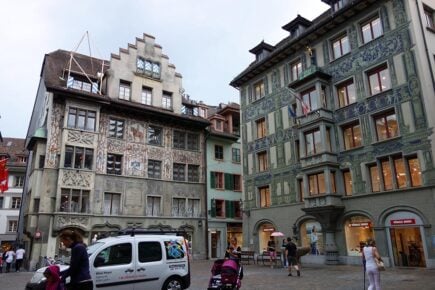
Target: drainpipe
x=425, y=44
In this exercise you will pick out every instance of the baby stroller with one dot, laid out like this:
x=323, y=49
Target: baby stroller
x=225, y=274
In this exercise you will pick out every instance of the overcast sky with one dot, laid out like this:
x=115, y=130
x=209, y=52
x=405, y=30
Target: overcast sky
x=207, y=40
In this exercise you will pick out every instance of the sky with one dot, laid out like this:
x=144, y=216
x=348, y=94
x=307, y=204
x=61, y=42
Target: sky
x=207, y=40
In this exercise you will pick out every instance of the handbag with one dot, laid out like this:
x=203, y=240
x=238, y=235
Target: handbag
x=380, y=264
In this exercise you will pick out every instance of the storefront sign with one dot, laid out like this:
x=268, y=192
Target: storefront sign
x=401, y=222
x=268, y=230
x=366, y=224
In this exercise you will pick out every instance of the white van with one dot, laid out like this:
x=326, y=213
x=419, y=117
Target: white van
x=140, y=261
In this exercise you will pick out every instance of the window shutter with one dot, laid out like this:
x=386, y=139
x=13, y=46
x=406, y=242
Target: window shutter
x=212, y=180
x=228, y=181
x=213, y=208
x=233, y=208
x=228, y=208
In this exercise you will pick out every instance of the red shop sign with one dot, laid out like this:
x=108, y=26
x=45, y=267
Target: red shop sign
x=402, y=222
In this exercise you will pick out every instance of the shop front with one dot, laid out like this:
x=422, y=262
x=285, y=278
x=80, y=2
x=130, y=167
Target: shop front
x=312, y=236
x=358, y=229
x=406, y=239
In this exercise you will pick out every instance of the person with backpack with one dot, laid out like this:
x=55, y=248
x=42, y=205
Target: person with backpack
x=10, y=255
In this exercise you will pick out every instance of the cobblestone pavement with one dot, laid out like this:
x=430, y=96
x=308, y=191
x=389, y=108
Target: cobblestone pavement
x=258, y=277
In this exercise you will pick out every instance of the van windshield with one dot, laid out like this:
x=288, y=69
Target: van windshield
x=92, y=248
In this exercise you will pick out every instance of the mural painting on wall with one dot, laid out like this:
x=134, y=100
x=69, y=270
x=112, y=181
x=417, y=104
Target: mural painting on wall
x=53, y=149
x=136, y=133
x=100, y=162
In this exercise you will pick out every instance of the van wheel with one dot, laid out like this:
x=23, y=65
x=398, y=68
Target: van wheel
x=173, y=283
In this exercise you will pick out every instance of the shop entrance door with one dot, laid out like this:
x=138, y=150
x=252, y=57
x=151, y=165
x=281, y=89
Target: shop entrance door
x=215, y=240
x=407, y=247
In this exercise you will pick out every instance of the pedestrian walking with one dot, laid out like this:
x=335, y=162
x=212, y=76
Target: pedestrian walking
x=271, y=248
x=19, y=256
x=291, y=251
x=79, y=264
x=10, y=255
x=370, y=254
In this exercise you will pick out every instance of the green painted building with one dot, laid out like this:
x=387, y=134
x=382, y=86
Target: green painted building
x=337, y=134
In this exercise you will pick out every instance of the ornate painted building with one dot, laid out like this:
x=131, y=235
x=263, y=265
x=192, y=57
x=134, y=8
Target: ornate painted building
x=337, y=133
x=111, y=149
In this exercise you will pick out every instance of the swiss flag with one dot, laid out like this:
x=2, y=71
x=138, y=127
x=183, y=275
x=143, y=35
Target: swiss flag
x=4, y=174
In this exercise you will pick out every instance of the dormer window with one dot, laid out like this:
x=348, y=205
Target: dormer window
x=148, y=67
x=337, y=5
x=82, y=83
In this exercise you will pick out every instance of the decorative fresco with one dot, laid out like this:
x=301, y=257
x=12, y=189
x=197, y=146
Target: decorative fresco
x=76, y=178
x=136, y=132
x=61, y=222
x=54, y=135
x=100, y=162
x=81, y=137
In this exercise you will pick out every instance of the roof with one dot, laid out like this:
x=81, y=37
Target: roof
x=13, y=148
x=261, y=46
x=299, y=20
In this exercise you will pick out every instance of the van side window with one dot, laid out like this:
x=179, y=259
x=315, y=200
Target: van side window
x=150, y=252
x=114, y=255
x=174, y=250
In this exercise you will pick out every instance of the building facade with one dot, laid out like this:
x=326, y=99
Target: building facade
x=224, y=183
x=337, y=133
x=111, y=149
x=14, y=151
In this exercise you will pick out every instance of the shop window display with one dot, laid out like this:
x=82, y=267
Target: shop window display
x=312, y=236
x=358, y=230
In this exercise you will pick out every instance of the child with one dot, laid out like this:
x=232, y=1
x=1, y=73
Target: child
x=52, y=273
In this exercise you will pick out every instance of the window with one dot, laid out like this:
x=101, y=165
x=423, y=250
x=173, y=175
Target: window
x=346, y=93
x=81, y=119
x=386, y=126
x=258, y=90
x=193, y=173
x=167, y=100
x=296, y=70
x=192, y=141
x=150, y=252
x=220, y=208
x=236, y=155
x=36, y=203
x=340, y=46
x=193, y=207
x=1, y=202
x=19, y=181
x=22, y=159
x=311, y=98
x=179, y=172
x=428, y=13
x=337, y=5
x=153, y=205
x=112, y=203
x=82, y=83
x=347, y=179
x=262, y=161
x=265, y=199
x=124, y=90
x=398, y=172
x=16, y=202
x=352, y=136
x=154, y=169
x=237, y=182
x=74, y=200
x=147, y=96
x=41, y=161
x=217, y=180
x=317, y=184
x=313, y=142
x=179, y=207
x=12, y=226
x=179, y=140
x=202, y=112
x=415, y=171
x=301, y=189
x=218, y=152
x=78, y=157
x=371, y=29
x=116, y=128
x=119, y=254
x=374, y=178
x=379, y=80
x=218, y=125
x=148, y=67
x=155, y=135
x=114, y=164
x=261, y=128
